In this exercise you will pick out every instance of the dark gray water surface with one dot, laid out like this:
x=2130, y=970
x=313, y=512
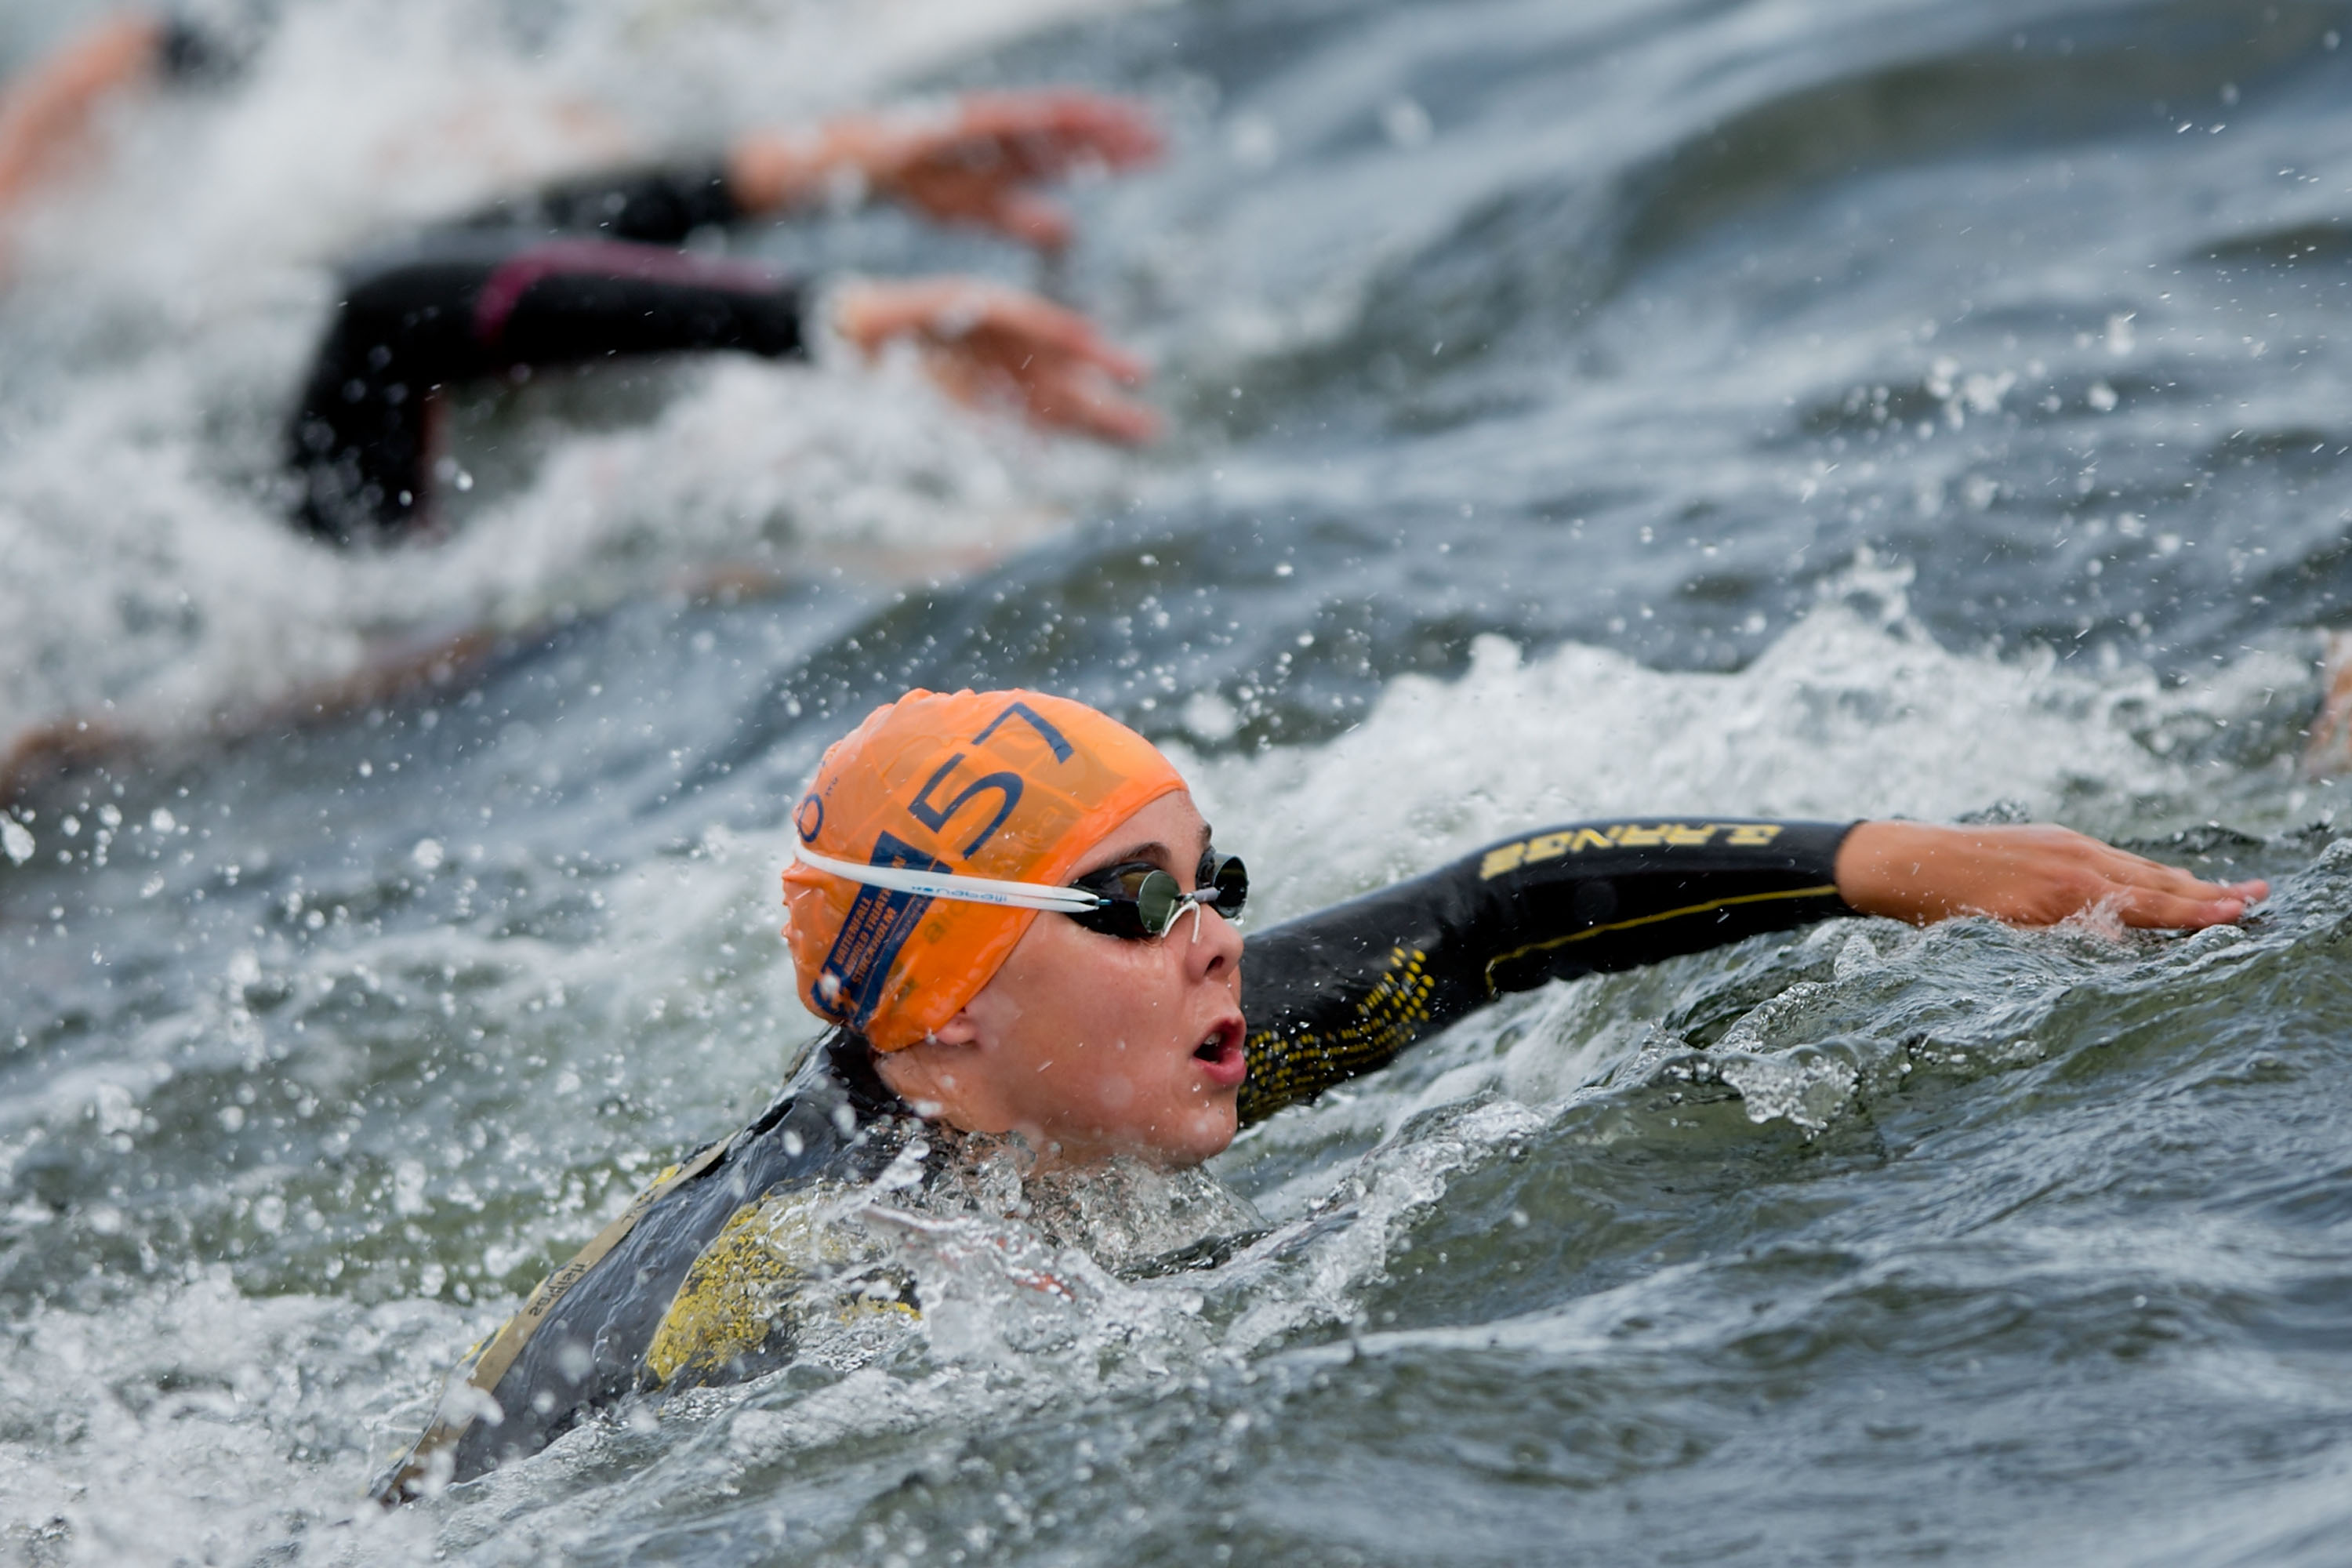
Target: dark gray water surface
x=1793, y=405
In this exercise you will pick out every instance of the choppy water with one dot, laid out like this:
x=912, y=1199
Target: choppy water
x=1780, y=406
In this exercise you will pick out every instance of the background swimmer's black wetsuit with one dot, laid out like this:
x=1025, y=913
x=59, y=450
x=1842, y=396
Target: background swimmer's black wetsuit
x=1330, y=995
x=583, y=270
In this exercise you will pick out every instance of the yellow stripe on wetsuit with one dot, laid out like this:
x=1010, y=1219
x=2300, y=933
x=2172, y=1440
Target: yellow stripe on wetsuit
x=1827, y=889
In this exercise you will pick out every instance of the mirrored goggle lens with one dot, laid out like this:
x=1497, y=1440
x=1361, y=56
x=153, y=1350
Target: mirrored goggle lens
x=1143, y=901
x=1125, y=890
x=1223, y=886
x=1158, y=901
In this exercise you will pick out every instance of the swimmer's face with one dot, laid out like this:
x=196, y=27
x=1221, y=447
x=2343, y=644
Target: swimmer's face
x=1090, y=1046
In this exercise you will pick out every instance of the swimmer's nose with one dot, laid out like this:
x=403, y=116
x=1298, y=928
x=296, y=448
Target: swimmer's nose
x=1215, y=950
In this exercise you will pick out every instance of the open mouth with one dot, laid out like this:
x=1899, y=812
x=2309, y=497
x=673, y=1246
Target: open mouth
x=1220, y=1053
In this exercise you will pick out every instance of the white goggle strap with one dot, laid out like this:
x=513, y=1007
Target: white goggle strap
x=946, y=885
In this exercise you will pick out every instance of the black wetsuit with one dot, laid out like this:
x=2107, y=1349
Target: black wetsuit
x=581, y=271
x=684, y=1294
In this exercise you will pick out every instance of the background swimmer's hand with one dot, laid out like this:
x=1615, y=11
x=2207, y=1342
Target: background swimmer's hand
x=973, y=164
x=2028, y=875
x=986, y=343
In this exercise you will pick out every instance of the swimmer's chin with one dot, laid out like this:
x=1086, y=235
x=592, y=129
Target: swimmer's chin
x=1207, y=1132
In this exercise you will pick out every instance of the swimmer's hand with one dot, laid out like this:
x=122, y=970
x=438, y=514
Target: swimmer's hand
x=2030, y=876
x=973, y=164
x=986, y=343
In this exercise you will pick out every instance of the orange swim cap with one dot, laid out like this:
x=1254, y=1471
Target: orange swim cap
x=1014, y=786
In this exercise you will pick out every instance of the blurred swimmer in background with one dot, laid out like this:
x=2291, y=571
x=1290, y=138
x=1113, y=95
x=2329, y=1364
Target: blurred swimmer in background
x=597, y=268
x=1013, y=914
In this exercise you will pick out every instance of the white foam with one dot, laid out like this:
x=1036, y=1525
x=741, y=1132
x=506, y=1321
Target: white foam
x=190, y=1422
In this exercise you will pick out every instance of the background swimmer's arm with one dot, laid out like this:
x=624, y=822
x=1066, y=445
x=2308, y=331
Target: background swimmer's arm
x=1341, y=991
x=651, y=206
x=972, y=164
x=472, y=306
x=361, y=443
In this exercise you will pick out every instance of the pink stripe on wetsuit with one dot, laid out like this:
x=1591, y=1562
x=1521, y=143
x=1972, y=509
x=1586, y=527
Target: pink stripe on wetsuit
x=580, y=273
x=516, y=276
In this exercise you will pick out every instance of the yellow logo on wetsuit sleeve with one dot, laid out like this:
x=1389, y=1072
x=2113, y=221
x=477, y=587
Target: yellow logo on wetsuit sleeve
x=1622, y=835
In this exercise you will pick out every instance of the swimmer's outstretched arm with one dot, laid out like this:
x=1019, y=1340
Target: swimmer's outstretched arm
x=466, y=307
x=1341, y=991
x=974, y=164
x=360, y=444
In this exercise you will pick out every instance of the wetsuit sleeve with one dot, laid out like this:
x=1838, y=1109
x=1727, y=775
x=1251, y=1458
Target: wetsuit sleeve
x=1340, y=992
x=656, y=206
x=469, y=307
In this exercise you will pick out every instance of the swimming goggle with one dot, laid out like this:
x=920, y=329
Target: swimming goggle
x=1132, y=900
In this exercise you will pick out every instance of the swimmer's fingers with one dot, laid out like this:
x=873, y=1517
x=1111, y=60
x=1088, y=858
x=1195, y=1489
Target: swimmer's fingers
x=1081, y=403
x=2164, y=897
x=970, y=163
x=1064, y=373
x=2169, y=912
x=2083, y=873
x=1079, y=399
x=990, y=199
x=1045, y=134
x=2031, y=876
x=1013, y=326
x=990, y=319
x=976, y=167
x=985, y=344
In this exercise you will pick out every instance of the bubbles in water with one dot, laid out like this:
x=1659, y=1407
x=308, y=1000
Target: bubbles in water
x=1805, y=1088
